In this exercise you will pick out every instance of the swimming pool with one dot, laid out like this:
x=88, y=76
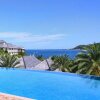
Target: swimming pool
x=42, y=85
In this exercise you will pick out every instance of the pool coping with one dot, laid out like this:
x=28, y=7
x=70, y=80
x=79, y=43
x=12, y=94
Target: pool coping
x=4, y=96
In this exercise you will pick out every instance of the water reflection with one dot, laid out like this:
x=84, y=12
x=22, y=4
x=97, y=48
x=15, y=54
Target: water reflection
x=93, y=81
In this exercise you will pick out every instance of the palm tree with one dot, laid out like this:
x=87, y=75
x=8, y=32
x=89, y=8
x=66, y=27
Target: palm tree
x=2, y=51
x=40, y=57
x=89, y=62
x=62, y=63
x=8, y=61
x=21, y=54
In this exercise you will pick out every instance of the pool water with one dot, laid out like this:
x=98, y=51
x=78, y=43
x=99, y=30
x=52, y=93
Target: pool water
x=42, y=85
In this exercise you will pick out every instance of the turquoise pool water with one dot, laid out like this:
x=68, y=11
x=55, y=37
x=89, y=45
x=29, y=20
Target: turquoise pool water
x=42, y=85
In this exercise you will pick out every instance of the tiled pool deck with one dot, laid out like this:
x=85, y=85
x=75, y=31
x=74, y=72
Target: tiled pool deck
x=4, y=96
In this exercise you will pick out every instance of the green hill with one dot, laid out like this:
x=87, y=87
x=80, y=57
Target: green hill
x=81, y=47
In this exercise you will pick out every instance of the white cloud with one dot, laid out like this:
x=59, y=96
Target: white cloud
x=29, y=37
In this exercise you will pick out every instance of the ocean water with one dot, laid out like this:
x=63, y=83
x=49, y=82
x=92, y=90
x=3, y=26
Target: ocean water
x=49, y=53
x=44, y=85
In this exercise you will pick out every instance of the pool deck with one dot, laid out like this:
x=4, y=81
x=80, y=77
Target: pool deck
x=4, y=96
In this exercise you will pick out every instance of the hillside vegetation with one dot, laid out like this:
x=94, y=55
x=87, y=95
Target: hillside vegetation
x=81, y=47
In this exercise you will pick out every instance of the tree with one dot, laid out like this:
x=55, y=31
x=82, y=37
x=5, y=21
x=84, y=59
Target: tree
x=89, y=62
x=40, y=57
x=3, y=51
x=8, y=61
x=63, y=63
x=21, y=54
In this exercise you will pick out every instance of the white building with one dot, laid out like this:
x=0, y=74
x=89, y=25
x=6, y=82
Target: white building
x=10, y=48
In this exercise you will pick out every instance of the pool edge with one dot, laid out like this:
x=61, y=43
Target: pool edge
x=6, y=96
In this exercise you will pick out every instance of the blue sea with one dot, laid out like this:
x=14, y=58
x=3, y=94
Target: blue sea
x=52, y=52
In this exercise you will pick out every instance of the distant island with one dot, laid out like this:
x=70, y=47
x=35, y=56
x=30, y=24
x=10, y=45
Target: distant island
x=81, y=47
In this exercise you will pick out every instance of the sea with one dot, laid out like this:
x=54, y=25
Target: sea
x=46, y=53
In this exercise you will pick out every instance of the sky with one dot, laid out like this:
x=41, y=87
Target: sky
x=50, y=24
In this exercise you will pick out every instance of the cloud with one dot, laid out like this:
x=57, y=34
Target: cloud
x=29, y=37
x=23, y=37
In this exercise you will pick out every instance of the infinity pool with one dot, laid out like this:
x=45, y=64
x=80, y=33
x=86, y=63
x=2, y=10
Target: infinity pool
x=42, y=85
